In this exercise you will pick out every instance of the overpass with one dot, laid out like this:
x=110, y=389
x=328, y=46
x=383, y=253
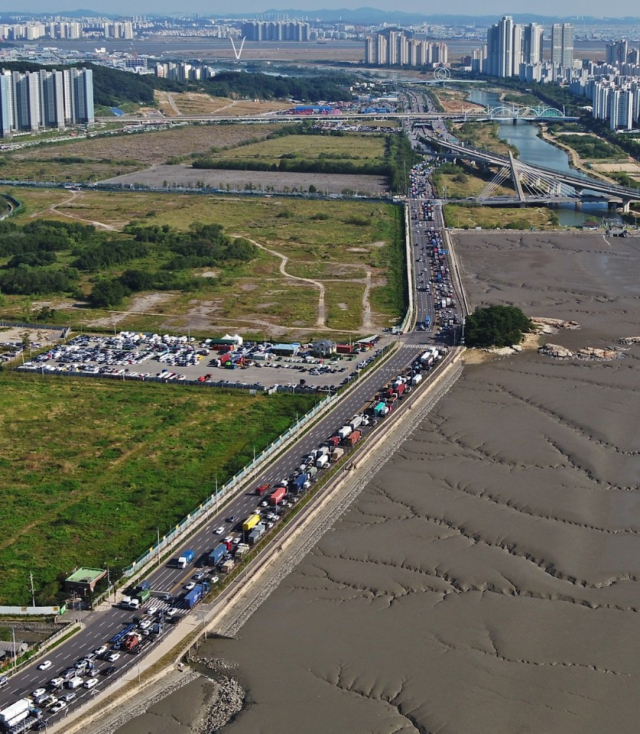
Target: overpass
x=538, y=184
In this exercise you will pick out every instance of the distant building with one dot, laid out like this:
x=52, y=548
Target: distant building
x=276, y=30
x=84, y=580
x=285, y=350
x=562, y=45
x=393, y=47
x=12, y=649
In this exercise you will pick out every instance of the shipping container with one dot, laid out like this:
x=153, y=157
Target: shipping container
x=416, y=379
x=277, y=496
x=344, y=432
x=217, y=554
x=353, y=438
x=143, y=595
x=298, y=483
x=256, y=533
x=228, y=565
x=356, y=422
x=15, y=710
x=250, y=523
x=322, y=462
x=195, y=595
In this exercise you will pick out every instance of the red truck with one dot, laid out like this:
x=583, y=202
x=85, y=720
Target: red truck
x=262, y=489
x=353, y=438
x=131, y=642
x=333, y=441
x=277, y=496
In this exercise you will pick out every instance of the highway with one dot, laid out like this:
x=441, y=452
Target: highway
x=167, y=578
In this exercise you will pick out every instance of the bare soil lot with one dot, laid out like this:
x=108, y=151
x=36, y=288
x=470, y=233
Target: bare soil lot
x=184, y=175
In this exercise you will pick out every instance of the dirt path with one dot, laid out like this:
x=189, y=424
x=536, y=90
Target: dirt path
x=172, y=104
x=53, y=209
x=321, y=321
x=367, y=316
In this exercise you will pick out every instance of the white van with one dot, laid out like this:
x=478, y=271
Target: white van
x=91, y=682
x=75, y=682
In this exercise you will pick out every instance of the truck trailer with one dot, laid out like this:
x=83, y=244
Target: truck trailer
x=186, y=558
x=353, y=438
x=277, y=496
x=15, y=713
x=256, y=533
x=195, y=595
x=250, y=522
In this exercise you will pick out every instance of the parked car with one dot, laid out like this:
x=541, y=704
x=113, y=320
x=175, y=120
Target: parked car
x=38, y=692
x=68, y=697
x=113, y=656
x=110, y=670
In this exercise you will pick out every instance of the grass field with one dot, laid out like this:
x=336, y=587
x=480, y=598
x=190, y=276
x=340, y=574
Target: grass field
x=486, y=217
x=462, y=183
x=107, y=156
x=323, y=240
x=311, y=147
x=174, y=104
x=90, y=469
x=483, y=135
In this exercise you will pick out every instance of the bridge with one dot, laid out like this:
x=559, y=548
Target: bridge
x=537, y=184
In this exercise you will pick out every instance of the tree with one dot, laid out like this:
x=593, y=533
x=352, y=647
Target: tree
x=107, y=293
x=496, y=326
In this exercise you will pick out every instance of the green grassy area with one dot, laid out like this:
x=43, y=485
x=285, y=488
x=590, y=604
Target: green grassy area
x=484, y=136
x=592, y=147
x=463, y=217
x=344, y=304
x=90, y=469
x=464, y=181
x=322, y=239
x=352, y=146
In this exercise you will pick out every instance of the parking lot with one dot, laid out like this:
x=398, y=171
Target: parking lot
x=131, y=355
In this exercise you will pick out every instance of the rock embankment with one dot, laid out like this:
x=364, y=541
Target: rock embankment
x=227, y=702
x=546, y=325
x=591, y=353
x=629, y=340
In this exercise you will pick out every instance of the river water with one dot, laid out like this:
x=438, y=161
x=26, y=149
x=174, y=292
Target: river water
x=538, y=152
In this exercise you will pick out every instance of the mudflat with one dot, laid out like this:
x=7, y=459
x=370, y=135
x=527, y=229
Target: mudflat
x=487, y=581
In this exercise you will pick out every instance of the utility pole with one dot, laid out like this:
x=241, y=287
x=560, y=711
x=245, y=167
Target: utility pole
x=33, y=593
x=158, y=545
x=15, y=653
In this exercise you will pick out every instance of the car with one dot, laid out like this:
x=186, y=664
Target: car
x=45, y=665
x=172, y=612
x=190, y=585
x=91, y=682
x=99, y=651
x=50, y=700
x=199, y=576
x=41, y=699
x=228, y=539
x=232, y=518
x=56, y=682
x=81, y=665
x=145, y=624
x=113, y=656
x=39, y=725
x=4, y=681
x=68, y=697
x=213, y=579
x=57, y=707
x=219, y=531
x=110, y=670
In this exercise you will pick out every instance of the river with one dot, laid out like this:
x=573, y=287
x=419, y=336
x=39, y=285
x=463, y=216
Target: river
x=533, y=149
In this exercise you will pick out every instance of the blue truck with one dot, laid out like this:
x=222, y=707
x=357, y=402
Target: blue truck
x=217, y=554
x=427, y=321
x=186, y=558
x=195, y=595
x=122, y=634
x=298, y=483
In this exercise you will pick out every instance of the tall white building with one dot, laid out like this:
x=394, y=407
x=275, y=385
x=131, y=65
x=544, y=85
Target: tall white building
x=45, y=99
x=562, y=45
x=509, y=45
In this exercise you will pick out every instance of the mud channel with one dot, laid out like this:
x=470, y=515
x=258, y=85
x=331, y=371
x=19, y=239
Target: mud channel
x=487, y=581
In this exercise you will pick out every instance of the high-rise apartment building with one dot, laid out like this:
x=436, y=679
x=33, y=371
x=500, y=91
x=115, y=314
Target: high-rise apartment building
x=45, y=99
x=562, y=45
x=617, y=52
x=394, y=47
x=509, y=45
x=532, y=41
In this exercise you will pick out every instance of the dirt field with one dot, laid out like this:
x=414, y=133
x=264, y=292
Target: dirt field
x=184, y=175
x=174, y=104
x=152, y=147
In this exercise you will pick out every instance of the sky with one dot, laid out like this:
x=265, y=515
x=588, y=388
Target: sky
x=488, y=7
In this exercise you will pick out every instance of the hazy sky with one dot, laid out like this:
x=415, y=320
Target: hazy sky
x=499, y=7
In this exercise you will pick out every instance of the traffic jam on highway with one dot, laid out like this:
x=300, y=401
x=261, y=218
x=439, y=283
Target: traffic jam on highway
x=114, y=639
x=155, y=610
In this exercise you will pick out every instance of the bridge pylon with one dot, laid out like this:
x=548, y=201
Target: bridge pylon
x=516, y=179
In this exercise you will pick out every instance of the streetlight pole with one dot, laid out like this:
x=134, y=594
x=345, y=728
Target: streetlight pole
x=158, y=545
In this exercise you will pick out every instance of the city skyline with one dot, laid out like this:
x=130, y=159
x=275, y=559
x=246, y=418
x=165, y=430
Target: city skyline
x=551, y=8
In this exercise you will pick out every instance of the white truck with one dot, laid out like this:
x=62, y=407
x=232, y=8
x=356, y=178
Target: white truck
x=15, y=713
x=344, y=432
x=323, y=460
x=356, y=422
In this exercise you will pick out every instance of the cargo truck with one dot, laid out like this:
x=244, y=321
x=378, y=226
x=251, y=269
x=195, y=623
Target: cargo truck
x=217, y=554
x=380, y=410
x=256, y=533
x=356, y=422
x=241, y=550
x=125, y=601
x=196, y=594
x=131, y=642
x=143, y=595
x=299, y=482
x=312, y=471
x=353, y=438
x=333, y=441
x=14, y=714
x=75, y=682
x=250, y=523
x=185, y=559
x=344, y=432
x=143, y=586
x=322, y=462
x=228, y=565
x=337, y=454
x=277, y=496
x=416, y=379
